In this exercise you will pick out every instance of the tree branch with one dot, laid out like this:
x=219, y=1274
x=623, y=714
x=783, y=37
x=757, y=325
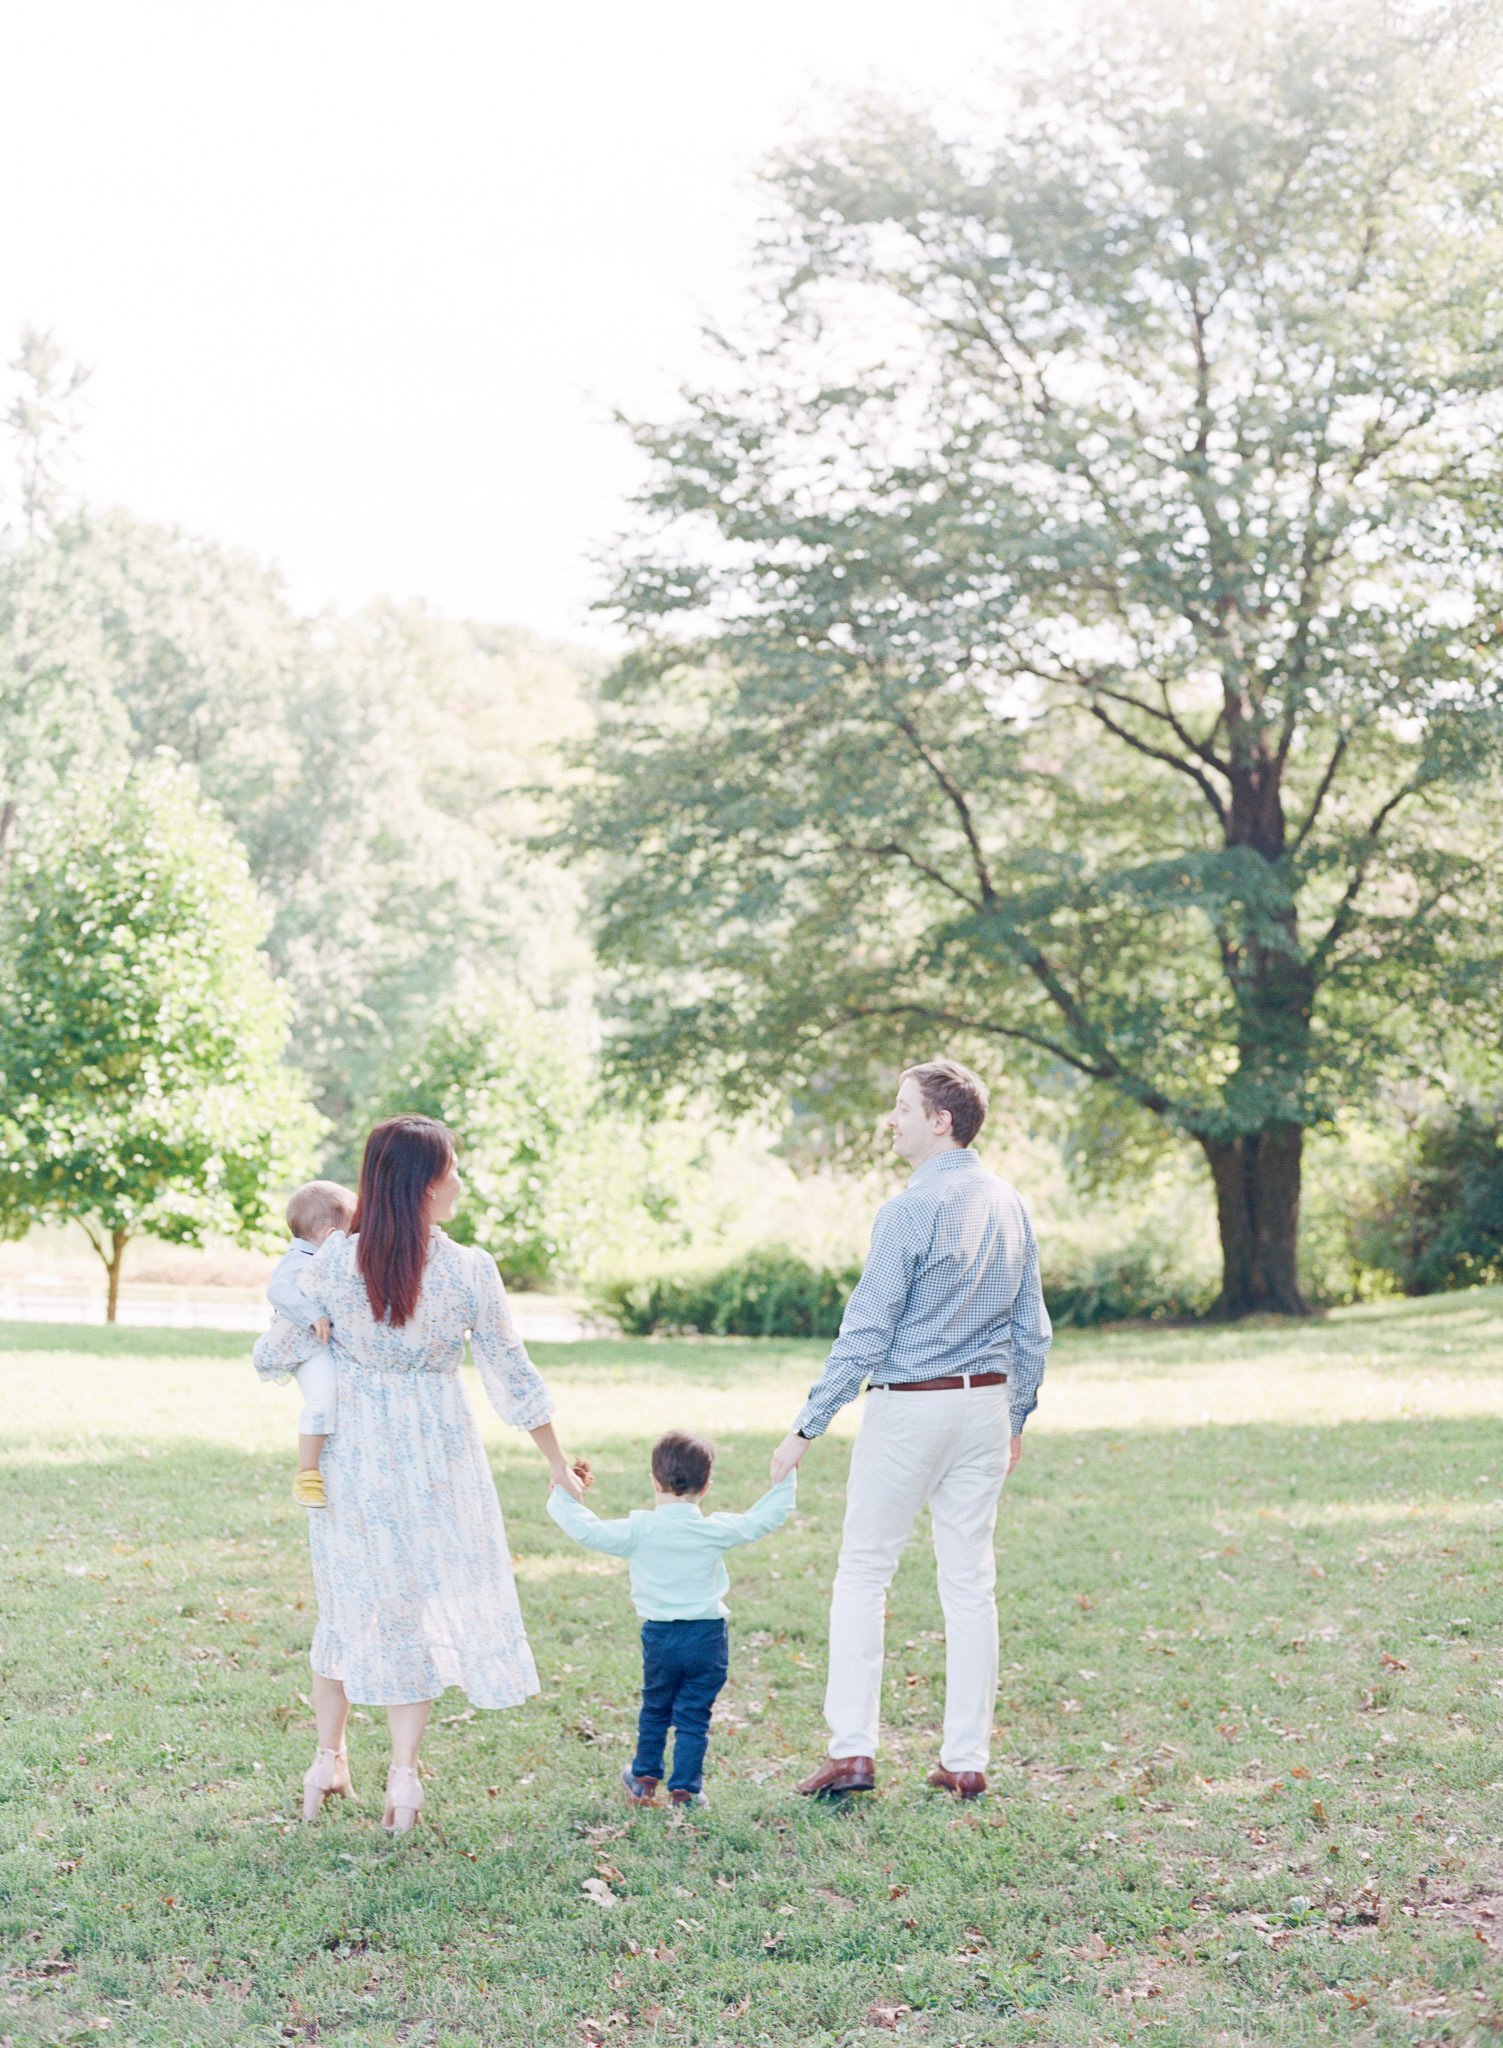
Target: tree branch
x=1162, y=754
x=1322, y=790
x=1342, y=919
x=956, y=796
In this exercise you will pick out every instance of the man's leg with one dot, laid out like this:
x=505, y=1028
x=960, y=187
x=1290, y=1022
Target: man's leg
x=892, y=1469
x=964, y=1510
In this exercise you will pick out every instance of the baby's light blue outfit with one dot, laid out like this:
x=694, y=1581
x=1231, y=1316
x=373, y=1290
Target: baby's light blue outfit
x=317, y=1377
x=675, y=1554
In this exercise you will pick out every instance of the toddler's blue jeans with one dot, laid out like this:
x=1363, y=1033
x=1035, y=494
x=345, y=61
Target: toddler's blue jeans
x=684, y=1665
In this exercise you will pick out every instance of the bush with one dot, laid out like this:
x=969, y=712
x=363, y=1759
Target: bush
x=770, y=1293
x=1147, y=1278
x=1438, y=1222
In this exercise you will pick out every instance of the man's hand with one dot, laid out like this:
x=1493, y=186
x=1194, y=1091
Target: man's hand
x=1013, y=1455
x=322, y=1328
x=787, y=1455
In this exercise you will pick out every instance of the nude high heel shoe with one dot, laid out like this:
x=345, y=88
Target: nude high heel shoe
x=404, y=1799
x=327, y=1777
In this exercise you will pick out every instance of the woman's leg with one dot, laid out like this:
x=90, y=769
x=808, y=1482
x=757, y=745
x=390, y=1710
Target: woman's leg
x=404, y=1788
x=407, y=1724
x=330, y=1769
x=331, y=1711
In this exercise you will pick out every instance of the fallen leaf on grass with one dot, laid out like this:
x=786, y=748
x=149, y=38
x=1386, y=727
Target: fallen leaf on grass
x=1092, y=1950
x=1391, y=1663
x=887, y=2016
x=597, y=1889
x=737, y=2011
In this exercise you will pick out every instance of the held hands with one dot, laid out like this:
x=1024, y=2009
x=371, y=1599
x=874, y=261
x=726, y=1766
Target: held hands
x=322, y=1328
x=787, y=1455
x=572, y=1479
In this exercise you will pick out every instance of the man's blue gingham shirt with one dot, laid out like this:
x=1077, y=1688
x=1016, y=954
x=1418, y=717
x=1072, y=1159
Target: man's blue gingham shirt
x=951, y=1285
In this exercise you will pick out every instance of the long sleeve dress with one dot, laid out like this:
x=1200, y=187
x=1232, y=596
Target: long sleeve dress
x=410, y=1559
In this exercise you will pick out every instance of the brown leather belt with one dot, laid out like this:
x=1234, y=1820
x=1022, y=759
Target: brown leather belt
x=964, y=1379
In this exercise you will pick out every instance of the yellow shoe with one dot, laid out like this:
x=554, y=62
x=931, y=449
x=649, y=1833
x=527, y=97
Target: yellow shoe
x=308, y=1489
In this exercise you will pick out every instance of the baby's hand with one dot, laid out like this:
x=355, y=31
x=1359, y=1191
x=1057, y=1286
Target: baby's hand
x=582, y=1472
x=321, y=1329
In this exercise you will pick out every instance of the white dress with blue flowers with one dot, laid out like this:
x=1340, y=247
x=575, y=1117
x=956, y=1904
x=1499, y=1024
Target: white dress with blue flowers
x=410, y=1560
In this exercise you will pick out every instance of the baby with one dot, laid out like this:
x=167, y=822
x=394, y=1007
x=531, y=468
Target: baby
x=313, y=1212
x=677, y=1583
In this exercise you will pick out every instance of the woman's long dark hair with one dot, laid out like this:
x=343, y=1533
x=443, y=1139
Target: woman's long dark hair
x=403, y=1158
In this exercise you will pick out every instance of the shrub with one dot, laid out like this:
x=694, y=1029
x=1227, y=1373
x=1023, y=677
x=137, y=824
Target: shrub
x=1145, y=1278
x=1438, y=1221
x=772, y=1293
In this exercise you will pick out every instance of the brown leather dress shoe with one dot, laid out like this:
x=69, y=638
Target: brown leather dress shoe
x=964, y=1784
x=840, y=1774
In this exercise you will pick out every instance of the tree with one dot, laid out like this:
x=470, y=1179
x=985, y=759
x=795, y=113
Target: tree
x=1071, y=623
x=57, y=710
x=141, y=1034
x=556, y=1184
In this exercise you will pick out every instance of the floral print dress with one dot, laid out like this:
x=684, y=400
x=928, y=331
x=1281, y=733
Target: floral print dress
x=410, y=1559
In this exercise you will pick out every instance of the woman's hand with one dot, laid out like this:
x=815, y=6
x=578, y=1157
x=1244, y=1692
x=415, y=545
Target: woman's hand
x=566, y=1477
x=545, y=1436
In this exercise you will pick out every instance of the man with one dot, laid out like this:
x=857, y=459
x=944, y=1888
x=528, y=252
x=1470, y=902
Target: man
x=948, y=1324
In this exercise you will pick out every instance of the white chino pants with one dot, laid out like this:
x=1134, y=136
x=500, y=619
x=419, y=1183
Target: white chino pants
x=950, y=1449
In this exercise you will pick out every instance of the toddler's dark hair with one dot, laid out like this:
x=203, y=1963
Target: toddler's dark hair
x=682, y=1464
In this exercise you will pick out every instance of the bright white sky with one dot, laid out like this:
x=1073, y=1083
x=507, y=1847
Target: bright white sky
x=362, y=282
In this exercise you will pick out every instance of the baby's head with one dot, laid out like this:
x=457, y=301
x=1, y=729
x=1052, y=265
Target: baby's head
x=318, y=1207
x=682, y=1464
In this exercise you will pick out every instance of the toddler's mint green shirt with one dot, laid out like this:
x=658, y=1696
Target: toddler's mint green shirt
x=674, y=1552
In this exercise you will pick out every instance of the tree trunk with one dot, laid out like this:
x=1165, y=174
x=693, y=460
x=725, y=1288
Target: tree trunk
x=1257, y=1181
x=112, y=1265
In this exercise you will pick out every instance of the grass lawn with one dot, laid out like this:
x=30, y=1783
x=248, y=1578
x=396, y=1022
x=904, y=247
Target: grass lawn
x=1248, y=1738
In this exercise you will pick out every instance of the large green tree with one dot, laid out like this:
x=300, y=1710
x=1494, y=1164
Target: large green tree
x=1072, y=624
x=376, y=769
x=142, y=1083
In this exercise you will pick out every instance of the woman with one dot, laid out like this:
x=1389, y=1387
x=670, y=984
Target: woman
x=410, y=1561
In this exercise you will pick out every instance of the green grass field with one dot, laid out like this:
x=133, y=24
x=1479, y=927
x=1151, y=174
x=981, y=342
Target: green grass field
x=1248, y=1740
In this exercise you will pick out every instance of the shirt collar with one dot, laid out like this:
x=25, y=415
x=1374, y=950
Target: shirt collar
x=674, y=1507
x=955, y=1160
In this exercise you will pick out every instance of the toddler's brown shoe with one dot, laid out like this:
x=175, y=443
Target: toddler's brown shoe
x=640, y=1791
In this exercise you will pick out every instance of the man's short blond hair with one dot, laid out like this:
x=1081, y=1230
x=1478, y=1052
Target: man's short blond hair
x=946, y=1084
x=319, y=1205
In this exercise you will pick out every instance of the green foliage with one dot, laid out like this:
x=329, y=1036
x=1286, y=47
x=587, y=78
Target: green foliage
x=517, y=1099
x=141, y=1034
x=1146, y=1278
x=1437, y=1221
x=771, y=1293
x=1071, y=629
x=378, y=770
x=558, y=1185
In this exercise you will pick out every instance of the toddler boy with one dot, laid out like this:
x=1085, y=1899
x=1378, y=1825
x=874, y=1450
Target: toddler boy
x=314, y=1211
x=677, y=1586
